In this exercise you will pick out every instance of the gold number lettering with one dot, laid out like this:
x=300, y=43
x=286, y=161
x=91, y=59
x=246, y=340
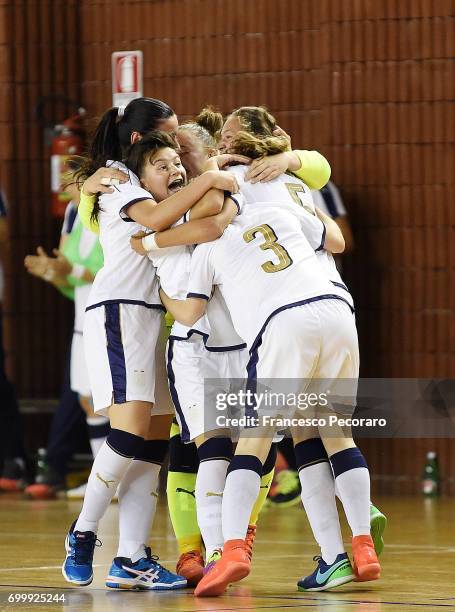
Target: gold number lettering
x=270, y=242
x=294, y=189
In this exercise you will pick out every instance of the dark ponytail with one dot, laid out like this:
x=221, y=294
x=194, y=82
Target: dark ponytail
x=105, y=142
x=112, y=136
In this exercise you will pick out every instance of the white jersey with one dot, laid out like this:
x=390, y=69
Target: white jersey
x=262, y=264
x=223, y=335
x=288, y=192
x=173, y=266
x=173, y=269
x=125, y=276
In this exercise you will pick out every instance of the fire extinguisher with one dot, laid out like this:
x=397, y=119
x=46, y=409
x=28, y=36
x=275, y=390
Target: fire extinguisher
x=67, y=141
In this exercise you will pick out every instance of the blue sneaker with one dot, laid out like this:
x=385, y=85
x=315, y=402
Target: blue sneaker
x=145, y=574
x=78, y=565
x=326, y=576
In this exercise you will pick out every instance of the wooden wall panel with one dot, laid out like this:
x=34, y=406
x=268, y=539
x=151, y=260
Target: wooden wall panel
x=41, y=58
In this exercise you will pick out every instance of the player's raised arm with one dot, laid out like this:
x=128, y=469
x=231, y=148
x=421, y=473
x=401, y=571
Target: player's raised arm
x=172, y=208
x=193, y=232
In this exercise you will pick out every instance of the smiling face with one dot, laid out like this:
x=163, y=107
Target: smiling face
x=230, y=130
x=163, y=174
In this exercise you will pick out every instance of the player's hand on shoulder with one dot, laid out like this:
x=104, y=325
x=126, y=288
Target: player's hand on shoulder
x=102, y=180
x=267, y=168
x=223, y=180
x=230, y=159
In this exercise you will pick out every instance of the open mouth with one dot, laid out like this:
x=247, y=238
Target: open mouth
x=176, y=185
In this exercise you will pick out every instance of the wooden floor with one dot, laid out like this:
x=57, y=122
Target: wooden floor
x=418, y=562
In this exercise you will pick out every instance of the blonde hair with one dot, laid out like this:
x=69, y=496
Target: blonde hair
x=206, y=127
x=256, y=138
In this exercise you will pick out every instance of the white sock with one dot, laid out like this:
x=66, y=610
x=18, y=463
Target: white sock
x=337, y=493
x=137, y=505
x=107, y=470
x=240, y=494
x=96, y=444
x=354, y=491
x=318, y=498
x=210, y=481
x=96, y=422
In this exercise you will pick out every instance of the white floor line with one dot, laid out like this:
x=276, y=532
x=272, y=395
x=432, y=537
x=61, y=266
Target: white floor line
x=5, y=570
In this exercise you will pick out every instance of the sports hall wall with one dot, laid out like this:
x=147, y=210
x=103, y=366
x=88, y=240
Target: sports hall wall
x=366, y=82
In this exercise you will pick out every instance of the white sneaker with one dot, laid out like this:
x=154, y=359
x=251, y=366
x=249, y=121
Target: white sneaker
x=79, y=493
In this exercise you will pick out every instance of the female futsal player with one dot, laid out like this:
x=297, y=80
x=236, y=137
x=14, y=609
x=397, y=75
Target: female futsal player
x=120, y=358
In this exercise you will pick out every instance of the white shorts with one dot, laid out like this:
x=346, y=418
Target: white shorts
x=120, y=341
x=79, y=379
x=163, y=402
x=312, y=348
x=189, y=366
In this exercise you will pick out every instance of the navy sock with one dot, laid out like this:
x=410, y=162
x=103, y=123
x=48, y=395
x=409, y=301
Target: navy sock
x=310, y=452
x=347, y=459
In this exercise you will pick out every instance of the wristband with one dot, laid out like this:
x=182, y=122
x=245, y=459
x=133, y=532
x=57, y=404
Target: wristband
x=77, y=271
x=149, y=243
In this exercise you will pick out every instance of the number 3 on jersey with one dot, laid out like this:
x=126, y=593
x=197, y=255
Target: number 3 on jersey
x=270, y=242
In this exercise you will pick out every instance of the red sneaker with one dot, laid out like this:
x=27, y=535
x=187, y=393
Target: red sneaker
x=11, y=485
x=191, y=566
x=14, y=475
x=366, y=565
x=234, y=565
x=249, y=540
x=41, y=491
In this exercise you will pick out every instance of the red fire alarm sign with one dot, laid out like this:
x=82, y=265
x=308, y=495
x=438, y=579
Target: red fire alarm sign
x=127, y=81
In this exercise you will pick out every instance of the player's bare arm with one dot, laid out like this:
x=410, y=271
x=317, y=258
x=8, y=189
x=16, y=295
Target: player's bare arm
x=160, y=217
x=194, y=232
x=186, y=311
x=334, y=241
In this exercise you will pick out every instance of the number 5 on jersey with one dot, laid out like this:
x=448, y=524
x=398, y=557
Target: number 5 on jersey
x=299, y=196
x=270, y=242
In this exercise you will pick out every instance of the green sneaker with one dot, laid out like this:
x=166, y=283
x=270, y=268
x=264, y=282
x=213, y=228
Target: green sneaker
x=378, y=523
x=326, y=576
x=212, y=560
x=287, y=490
